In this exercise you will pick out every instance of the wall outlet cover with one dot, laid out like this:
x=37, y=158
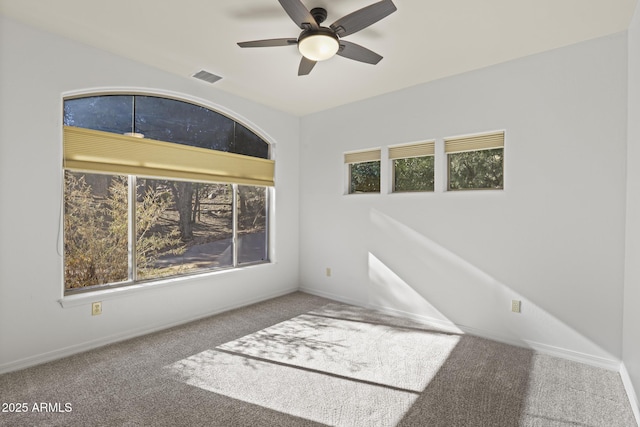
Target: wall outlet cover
x=96, y=308
x=515, y=306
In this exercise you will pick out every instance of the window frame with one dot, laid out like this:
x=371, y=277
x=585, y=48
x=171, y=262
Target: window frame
x=132, y=279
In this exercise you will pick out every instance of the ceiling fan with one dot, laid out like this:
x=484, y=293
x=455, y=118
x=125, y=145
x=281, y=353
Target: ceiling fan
x=317, y=43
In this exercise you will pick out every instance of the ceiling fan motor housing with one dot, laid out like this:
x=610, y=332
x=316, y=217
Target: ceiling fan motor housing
x=319, y=14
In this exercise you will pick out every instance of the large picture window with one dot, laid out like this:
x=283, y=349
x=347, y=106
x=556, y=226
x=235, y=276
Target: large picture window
x=157, y=188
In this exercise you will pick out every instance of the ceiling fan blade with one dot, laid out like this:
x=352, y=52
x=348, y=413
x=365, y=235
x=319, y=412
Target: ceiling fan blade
x=306, y=65
x=362, y=18
x=299, y=13
x=358, y=53
x=269, y=43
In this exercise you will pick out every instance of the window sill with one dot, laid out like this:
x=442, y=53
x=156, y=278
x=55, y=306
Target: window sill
x=88, y=297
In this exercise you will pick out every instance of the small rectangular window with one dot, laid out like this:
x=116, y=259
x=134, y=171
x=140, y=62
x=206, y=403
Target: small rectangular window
x=364, y=171
x=413, y=167
x=475, y=162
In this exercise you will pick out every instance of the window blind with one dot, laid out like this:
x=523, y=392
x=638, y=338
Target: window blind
x=412, y=150
x=475, y=142
x=95, y=151
x=362, y=156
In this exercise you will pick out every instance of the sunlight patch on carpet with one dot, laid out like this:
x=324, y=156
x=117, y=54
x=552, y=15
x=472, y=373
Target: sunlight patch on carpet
x=297, y=392
x=382, y=354
x=352, y=370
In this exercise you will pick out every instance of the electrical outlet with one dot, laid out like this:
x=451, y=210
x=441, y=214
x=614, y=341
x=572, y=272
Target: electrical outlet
x=515, y=305
x=328, y=272
x=96, y=308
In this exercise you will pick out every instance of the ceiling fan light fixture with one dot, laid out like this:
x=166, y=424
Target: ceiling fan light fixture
x=318, y=46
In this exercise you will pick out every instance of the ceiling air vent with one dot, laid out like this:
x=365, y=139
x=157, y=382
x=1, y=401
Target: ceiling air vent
x=206, y=76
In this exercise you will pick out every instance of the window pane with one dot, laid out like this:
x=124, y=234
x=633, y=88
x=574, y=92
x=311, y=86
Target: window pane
x=184, y=123
x=95, y=229
x=248, y=143
x=109, y=113
x=252, y=224
x=182, y=227
x=476, y=170
x=413, y=174
x=364, y=177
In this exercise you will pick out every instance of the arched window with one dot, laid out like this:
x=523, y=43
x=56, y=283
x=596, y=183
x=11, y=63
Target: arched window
x=157, y=187
x=164, y=119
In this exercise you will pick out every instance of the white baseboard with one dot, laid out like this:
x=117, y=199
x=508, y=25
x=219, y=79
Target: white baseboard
x=440, y=324
x=588, y=359
x=90, y=345
x=631, y=393
x=329, y=295
x=576, y=356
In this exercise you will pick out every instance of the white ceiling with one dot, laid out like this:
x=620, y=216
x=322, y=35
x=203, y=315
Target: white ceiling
x=422, y=41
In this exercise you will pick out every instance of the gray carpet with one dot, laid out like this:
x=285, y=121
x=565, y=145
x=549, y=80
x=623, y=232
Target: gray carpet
x=301, y=360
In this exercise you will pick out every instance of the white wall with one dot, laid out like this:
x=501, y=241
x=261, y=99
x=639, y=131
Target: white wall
x=554, y=238
x=631, y=330
x=36, y=69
